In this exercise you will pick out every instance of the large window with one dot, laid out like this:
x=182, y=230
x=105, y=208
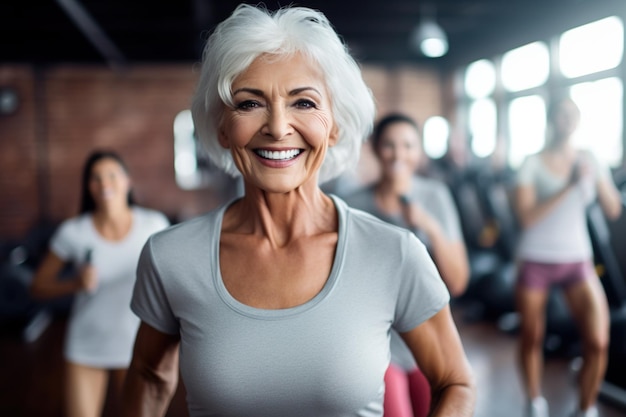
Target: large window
x=436, y=135
x=480, y=79
x=601, y=121
x=479, y=84
x=188, y=176
x=525, y=67
x=191, y=164
x=483, y=123
x=506, y=97
x=527, y=128
x=591, y=48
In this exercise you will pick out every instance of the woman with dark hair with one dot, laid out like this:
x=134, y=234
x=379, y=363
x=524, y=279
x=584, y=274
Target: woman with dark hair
x=554, y=187
x=103, y=242
x=424, y=206
x=88, y=203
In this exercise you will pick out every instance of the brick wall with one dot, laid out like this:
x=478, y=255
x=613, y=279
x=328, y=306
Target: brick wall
x=67, y=111
x=19, y=197
x=417, y=92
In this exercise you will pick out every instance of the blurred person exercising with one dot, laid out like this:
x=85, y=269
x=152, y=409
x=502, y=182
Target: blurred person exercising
x=104, y=243
x=424, y=206
x=553, y=190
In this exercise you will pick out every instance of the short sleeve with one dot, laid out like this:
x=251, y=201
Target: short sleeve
x=600, y=171
x=65, y=241
x=160, y=221
x=152, y=220
x=526, y=172
x=422, y=292
x=150, y=301
x=449, y=215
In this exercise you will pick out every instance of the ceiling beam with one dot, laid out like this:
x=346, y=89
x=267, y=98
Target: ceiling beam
x=92, y=31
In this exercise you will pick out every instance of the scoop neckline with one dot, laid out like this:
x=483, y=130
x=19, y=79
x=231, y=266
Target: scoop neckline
x=283, y=313
x=104, y=240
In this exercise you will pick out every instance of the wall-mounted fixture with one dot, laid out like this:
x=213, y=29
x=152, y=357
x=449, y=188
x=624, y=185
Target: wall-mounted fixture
x=9, y=100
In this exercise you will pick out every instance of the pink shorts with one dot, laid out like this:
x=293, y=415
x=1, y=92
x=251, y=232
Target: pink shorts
x=538, y=275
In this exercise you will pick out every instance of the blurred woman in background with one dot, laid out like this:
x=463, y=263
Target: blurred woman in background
x=426, y=207
x=103, y=243
x=553, y=190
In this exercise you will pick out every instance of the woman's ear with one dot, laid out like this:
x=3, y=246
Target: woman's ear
x=222, y=138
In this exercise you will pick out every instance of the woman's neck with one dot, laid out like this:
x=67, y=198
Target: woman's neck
x=560, y=143
x=282, y=217
x=562, y=148
x=394, y=186
x=113, y=223
x=388, y=192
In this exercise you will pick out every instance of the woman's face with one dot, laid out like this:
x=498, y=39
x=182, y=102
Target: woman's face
x=566, y=118
x=399, y=150
x=281, y=124
x=109, y=183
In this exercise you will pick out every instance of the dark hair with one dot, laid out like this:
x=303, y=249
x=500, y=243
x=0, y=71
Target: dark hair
x=388, y=120
x=87, y=203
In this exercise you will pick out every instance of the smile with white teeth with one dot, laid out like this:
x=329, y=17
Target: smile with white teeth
x=278, y=155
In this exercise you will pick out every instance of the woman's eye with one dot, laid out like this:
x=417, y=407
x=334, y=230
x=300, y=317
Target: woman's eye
x=247, y=105
x=305, y=104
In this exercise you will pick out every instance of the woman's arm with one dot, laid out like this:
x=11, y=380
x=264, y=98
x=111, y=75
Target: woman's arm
x=610, y=198
x=439, y=354
x=608, y=195
x=528, y=210
x=450, y=256
x=152, y=377
x=46, y=283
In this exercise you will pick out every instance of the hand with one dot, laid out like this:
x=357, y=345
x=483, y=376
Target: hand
x=580, y=170
x=575, y=173
x=414, y=215
x=88, y=278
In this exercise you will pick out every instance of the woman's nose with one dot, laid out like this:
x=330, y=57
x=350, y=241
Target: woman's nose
x=278, y=123
x=102, y=183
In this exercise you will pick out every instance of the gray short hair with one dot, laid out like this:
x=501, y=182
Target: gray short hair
x=252, y=31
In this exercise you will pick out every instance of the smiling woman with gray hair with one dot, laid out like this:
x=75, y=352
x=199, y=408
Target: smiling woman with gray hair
x=281, y=302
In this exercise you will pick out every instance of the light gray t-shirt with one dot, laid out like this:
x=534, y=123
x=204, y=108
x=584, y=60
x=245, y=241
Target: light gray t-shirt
x=326, y=357
x=432, y=195
x=435, y=198
x=101, y=329
x=562, y=235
